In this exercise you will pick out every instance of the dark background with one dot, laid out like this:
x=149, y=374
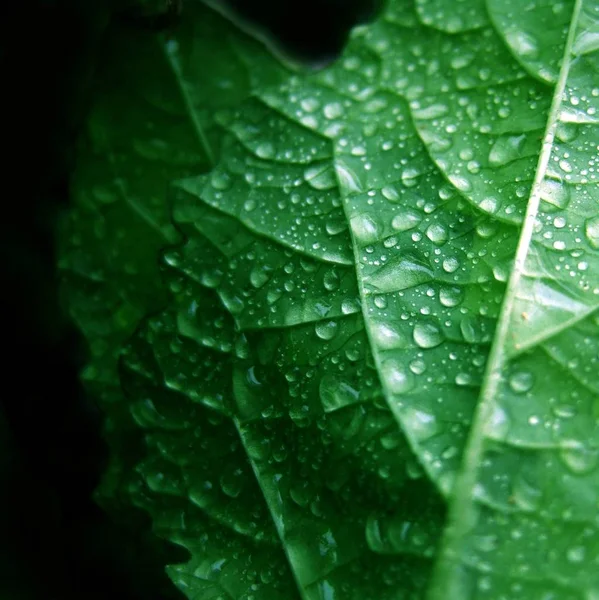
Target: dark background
x=54, y=542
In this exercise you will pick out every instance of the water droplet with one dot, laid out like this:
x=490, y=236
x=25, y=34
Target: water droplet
x=265, y=150
x=591, y=231
x=565, y=166
x=326, y=330
x=406, y=220
x=555, y=193
x=221, y=180
x=521, y=381
x=506, y=149
x=249, y=205
x=259, y=275
x=422, y=425
x=434, y=111
x=526, y=495
x=471, y=330
x=390, y=193
x=450, y=296
x=365, y=228
x=335, y=393
x=463, y=379
x=580, y=459
x=232, y=483
x=398, y=379
x=320, y=177
x=333, y=110
x=331, y=280
x=387, y=335
x=409, y=177
x=460, y=182
x=400, y=273
x=380, y=301
x=576, y=554
x=350, y=306
x=523, y=43
x=437, y=234
x=490, y=205
x=427, y=335
x=586, y=41
x=335, y=225
x=349, y=180
x=451, y=264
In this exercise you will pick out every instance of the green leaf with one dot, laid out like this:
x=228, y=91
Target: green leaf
x=524, y=515
x=303, y=275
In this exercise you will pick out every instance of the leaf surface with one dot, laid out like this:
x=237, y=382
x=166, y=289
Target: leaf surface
x=303, y=274
x=524, y=515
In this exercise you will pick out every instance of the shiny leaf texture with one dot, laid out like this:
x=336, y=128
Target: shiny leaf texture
x=334, y=302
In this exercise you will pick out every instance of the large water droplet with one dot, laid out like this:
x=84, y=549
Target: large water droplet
x=259, y=275
x=506, y=149
x=326, y=330
x=427, y=335
x=400, y=273
x=265, y=150
x=365, y=228
x=437, y=234
x=406, y=220
x=523, y=43
x=335, y=393
x=450, y=296
x=422, y=425
x=521, y=381
x=580, y=459
x=388, y=335
x=320, y=177
x=397, y=377
x=554, y=193
x=591, y=231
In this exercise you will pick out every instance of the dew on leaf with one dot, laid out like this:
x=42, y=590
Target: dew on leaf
x=591, y=231
x=400, y=273
x=580, y=459
x=423, y=425
x=390, y=193
x=460, y=182
x=437, y=234
x=336, y=393
x=399, y=380
x=417, y=366
x=555, y=193
x=427, y=335
x=365, y=228
x=406, y=220
x=521, y=381
x=249, y=205
x=265, y=150
x=326, y=330
x=523, y=43
x=451, y=265
x=471, y=330
x=450, y=296
x=388, y=336
x=576, y=554
x=320, y=177
x=331, y=280
x=506, y=149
